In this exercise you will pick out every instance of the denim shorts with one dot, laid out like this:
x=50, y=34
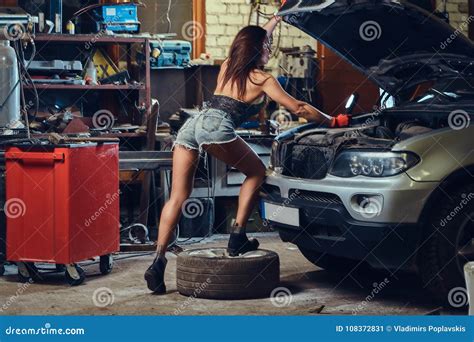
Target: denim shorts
x=210, y=126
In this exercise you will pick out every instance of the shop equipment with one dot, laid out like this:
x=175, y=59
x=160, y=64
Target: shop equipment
x=10, y=89
x=170, y=53
x=15, y=16
x=118, y=18
x=62, y=206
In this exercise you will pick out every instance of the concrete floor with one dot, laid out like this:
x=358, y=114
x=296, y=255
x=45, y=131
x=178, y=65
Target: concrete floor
x=125, y=291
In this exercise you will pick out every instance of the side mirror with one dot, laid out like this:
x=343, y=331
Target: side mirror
x=351, y=102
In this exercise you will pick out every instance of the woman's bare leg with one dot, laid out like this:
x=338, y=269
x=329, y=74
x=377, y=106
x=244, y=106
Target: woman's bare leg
x=239, y=155
x=184, y=166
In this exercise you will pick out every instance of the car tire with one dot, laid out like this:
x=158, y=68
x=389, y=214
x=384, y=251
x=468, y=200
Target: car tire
x=211, y=273
x=328, y=262
x=441, y=259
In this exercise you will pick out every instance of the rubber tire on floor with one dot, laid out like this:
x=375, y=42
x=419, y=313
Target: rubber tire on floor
x=437, y=266
x=2, y=269
x=228, y=277
x=329, y=262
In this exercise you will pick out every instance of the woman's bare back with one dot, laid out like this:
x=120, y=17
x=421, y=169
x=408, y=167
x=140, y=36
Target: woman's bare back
x=254, y=88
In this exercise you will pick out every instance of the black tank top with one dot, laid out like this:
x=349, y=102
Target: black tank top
x=240, y=111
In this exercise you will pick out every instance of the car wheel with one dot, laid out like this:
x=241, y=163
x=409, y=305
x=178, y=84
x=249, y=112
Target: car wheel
x=211, y=273
x=448, y=244
x=329, y=262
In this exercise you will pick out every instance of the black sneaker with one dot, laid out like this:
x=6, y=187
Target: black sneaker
x=240, y=244
x=155, y=275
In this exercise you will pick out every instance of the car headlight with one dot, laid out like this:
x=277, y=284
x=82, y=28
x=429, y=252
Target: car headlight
x=372, y=164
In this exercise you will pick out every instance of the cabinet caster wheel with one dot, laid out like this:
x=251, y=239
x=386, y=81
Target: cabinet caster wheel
x=106, y=264
x=75, y=275
x=27, y=272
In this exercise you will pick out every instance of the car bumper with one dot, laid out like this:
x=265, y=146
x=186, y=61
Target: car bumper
x=329, y=222
x=398, y=199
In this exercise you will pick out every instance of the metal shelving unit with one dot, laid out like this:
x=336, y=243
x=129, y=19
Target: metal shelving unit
x=84, y=42
x=141, y=91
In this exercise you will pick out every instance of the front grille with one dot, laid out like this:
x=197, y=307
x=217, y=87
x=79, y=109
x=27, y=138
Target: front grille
x=270, y=190
x=320, y=197
x=309, y=162
x=322, y=230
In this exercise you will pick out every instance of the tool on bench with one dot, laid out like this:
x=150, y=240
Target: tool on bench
x=117, y=18
x=170, y=53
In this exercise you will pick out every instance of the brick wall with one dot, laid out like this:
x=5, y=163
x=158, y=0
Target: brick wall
x=226, y=17
x=458, y=14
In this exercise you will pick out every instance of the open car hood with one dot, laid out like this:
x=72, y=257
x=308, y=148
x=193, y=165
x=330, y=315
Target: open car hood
x=394, y=43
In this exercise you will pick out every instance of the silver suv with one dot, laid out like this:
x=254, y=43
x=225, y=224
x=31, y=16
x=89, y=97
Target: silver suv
x=395, y=189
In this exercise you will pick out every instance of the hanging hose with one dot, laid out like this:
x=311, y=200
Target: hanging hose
x=129, y=228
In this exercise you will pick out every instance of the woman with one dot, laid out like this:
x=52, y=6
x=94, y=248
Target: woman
x=240, y=93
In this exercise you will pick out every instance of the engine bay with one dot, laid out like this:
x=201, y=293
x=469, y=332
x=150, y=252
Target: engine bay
x=311, y=153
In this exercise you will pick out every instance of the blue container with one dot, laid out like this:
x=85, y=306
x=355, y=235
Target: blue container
x=119, y=18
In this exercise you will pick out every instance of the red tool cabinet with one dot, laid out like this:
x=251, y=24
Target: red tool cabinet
x=62, y=202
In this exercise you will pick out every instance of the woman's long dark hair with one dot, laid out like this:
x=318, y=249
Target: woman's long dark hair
x=245, y=56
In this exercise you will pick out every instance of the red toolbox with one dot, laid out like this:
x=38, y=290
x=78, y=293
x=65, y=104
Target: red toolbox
x=62, y=206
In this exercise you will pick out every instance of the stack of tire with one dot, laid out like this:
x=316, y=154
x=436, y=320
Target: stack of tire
x=212, y=274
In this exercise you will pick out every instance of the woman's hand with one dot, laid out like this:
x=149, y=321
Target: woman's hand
x=272, y=24
x=311, y=114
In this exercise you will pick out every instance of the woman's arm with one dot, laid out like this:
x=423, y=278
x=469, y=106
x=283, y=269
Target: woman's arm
x=274, y=90
x=271, y=25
